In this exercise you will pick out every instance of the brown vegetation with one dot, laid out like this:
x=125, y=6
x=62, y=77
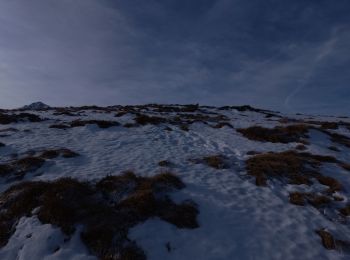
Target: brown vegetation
x=333, y=148
x=294, y=167
x=301, y=147
x=153, y=120
x=330, y=243
x=297, y=198
x=332, y=183
x=59, y=126
x=105, y=218
x=15, y=118
x=317, y=201
x=18, y=168
x=327, y=239
x=214, y=161
x=164, y=163
x=339, y=139
x=279, y=134
x=345, y=211
x=222, y=124
x=53, y=153
x=99, y=123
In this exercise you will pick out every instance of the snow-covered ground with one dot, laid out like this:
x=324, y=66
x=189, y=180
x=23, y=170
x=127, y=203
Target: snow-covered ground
x=238, y=220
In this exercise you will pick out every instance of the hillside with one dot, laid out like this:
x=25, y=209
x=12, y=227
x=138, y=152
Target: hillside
x=173, y=182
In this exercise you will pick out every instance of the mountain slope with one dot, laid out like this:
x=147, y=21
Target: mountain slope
x=245, y=206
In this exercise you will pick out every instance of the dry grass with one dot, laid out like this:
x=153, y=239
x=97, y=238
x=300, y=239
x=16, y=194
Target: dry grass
x=297, y=198
x=184, y=127
x=130, y=125
x=287, y=134
x=106, y=219
x=54, y=153
x=15, y=118
x=338, y=138
x=29, y=163
x=329, y=125
x=222, y=124
x=274, y=165
x=164, y=163
x=330, y=243
x=294, y=167
x=119, y=184
x=215, y=161
x=301, y=147
x=120, y=114
x=49, y=154
x=317, y=201
x=332, y=183
x=18, y=168
x=327, y=239
x=253, y=152
x=345, y=166
x=99, y=123
x=153, y=120
x=59, y=126
x=177, y=108
x=333, y=148
x=345, y=211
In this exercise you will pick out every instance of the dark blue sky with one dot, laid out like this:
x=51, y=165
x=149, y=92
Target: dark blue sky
x=285, y=55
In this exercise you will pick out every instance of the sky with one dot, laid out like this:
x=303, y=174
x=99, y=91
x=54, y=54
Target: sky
x=286, y=55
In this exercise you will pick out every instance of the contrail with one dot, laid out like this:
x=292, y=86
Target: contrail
x=325, y=50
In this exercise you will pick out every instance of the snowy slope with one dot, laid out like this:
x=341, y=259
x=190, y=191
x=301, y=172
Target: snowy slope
x=237, y=218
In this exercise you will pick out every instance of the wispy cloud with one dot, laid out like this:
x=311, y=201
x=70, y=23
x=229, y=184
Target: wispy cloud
x=265, y=53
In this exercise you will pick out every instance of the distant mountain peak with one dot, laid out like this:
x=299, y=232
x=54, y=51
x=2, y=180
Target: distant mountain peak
x=36, y=106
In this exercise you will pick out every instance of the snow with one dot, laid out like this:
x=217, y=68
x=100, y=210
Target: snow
x=36, y=106
x=238, y=220
x=33, y=240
